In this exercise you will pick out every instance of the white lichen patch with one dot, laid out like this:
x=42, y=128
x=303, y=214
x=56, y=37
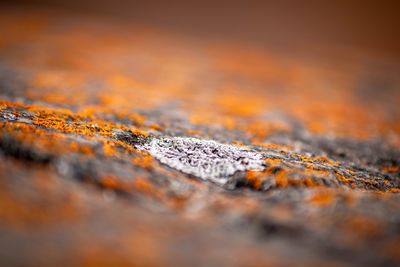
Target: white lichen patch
x=205, y=159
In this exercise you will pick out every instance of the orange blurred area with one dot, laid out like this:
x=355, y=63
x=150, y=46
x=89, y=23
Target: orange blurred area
x=345, y=92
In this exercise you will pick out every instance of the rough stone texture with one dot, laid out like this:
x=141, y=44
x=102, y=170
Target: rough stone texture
x=86, y=109
x=205, y=159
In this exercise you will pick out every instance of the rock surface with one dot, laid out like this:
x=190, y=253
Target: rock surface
x=145, y=150
x=204, y=159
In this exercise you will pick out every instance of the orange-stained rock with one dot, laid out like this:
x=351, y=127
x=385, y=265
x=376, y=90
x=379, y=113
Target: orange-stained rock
x=81, y=99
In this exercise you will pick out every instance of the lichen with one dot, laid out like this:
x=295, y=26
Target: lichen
x=205, y=159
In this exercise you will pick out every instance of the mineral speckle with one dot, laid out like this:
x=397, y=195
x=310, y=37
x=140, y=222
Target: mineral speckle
x=205, y=159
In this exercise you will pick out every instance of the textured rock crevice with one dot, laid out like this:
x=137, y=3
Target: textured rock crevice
x=204, y=159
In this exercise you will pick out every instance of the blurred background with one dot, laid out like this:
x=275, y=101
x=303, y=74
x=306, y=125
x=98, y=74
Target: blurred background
x=306, y=26
x=338, y=59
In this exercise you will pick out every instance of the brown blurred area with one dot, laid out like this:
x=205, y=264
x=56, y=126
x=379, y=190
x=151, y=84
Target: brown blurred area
x=310, y=28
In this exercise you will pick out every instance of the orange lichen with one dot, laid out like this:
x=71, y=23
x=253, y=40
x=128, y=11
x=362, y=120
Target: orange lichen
x=66, y=121
x=146, y=187
x=281, y=179
x=56, y=143
x=266, y=85
x=144, y=161
x=261, y=130
x=323, y=198
x=284, y=148
x=156, y=127
x=273, y=162
x=345, y=180
x=109, y=149
x=254, y=179
x=394, y=190
x=313, y=171
x=143, y=185
x=306, y=159
x=17, y=211
x=82, y=149
x=364, y=227
x=114, y=183
x=239, y=105
x=392, y=169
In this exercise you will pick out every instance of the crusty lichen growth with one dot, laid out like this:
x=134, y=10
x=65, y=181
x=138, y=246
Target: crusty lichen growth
x=289, y=169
